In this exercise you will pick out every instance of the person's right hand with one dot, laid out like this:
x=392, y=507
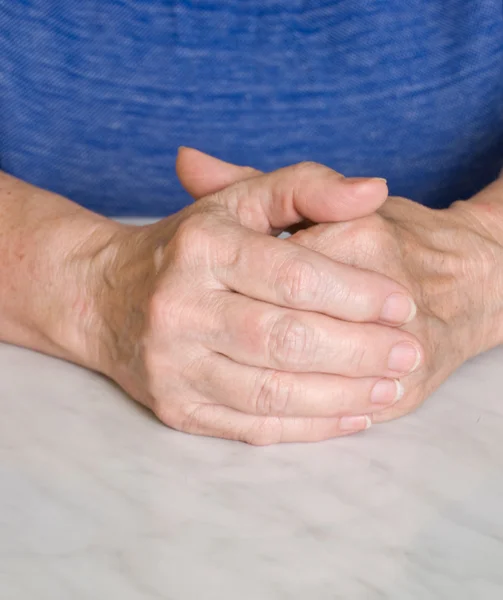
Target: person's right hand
x=222, y=329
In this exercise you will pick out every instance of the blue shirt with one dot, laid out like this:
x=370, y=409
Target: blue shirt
x=96, y=95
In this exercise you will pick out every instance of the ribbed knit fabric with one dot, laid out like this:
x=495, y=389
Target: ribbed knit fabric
x=96, y=95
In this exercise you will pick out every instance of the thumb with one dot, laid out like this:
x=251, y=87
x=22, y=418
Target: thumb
x=202, y=174
x=317, y=192
x=277, y=200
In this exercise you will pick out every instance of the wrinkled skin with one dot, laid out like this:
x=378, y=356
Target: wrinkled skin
x=224, y=330
x=450, y=264
x=451, y=261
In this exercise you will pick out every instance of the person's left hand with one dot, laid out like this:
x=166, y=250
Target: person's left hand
x=447, y=259
x=450, y=266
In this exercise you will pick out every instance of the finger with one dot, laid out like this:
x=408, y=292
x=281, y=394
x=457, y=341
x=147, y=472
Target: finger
x=262, y=335
x=222, y=422
x=202, y=174
x=286, y=274
x=287, y=196
x=269, y=393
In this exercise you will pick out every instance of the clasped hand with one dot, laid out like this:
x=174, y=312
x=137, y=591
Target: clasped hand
x=222, y=329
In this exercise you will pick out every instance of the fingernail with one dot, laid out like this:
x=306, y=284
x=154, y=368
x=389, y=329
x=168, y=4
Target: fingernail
x=386, y=392
x=398, y=309
x=358, y=180
x=404, y=358
x=363, y=188
x=355, y=423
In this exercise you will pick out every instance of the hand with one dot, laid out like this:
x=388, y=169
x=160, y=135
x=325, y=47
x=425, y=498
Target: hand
x=450, y=264
x=450, y=261
x=223, y=330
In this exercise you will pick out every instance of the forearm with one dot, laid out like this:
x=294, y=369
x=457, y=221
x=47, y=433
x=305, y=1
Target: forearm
x=45, y=298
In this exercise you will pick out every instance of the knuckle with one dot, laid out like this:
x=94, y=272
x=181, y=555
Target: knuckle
x=188, y=418
x=356, y=354
x=299, y=282
x=367, y=236
x=316, y=237
x=305, y=165
x=274, y=394
x=302, y=173
x=265, y=432
x=304, y=237
x=191, y=227
x=364, y=299
x=290, y=343
x=305, y=172
x=192, y=238
x=166, y=412
x=165, y=313
x=306, y=168
x=173, y=403
x=377, y=236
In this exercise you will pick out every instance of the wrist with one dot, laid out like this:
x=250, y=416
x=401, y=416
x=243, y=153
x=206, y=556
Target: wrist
x=119, y=267
x=63, y=316
x=83, y=333
x=46, y=244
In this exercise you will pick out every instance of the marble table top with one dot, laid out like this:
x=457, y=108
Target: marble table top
x=100, y=501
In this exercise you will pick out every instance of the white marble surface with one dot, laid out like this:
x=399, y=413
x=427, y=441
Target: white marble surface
x=100, y=501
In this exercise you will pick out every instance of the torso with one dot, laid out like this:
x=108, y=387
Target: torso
x=96, y=95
